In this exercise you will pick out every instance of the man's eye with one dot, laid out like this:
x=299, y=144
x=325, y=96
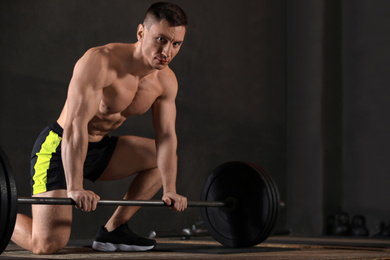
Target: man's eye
x=160, y=39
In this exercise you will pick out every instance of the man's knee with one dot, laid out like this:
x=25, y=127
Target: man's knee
x=47, y=246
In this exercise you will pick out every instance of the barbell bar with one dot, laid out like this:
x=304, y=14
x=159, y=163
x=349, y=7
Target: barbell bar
x=154, y=203
x=239, y=203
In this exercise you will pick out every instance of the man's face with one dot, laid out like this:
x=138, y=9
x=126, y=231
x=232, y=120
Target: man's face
x=160, y=43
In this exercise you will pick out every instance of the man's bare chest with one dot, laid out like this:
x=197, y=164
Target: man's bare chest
x=128, y=96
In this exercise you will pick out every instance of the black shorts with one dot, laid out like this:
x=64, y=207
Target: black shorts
x=47, y=172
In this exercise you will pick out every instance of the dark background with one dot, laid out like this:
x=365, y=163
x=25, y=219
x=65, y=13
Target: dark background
x=297, y=86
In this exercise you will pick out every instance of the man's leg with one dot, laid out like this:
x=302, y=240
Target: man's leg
x=48, y=230
x=133, y=155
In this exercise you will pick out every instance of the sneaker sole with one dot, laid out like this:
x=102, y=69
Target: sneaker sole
x=110, y=247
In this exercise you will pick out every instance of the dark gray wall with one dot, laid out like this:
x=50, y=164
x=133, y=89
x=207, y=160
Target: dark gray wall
x=366, y=83
x=305, y=83
x=338, y=111
x=231, y=102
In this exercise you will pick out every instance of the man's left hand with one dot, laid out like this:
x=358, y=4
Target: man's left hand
x=176, y=201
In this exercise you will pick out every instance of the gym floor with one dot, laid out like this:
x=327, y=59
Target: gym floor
x=275, y=247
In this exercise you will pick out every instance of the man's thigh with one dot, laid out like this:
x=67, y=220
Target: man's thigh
x=52, y=222
x=132, y=154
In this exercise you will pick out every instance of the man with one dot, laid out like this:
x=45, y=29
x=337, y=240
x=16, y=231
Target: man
x=110, y=84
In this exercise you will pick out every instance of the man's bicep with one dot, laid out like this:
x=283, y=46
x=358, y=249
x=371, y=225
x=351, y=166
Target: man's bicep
x=164, y=116
x=164, y=108
x=83, y=101
x=85, y=90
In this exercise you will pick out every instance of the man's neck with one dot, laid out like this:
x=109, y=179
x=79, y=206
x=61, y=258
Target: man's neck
x=140, y=67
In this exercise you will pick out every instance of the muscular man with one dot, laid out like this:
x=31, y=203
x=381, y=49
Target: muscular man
x=110, y=84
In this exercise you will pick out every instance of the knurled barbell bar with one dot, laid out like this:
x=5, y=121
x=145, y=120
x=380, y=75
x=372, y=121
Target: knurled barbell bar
x=239, y=203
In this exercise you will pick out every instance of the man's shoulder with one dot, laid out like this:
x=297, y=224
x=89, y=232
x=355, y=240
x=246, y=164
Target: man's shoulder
x=110, y=50
x=107, y=56
x=168, y=82
x=167, y=77
x=95, y=55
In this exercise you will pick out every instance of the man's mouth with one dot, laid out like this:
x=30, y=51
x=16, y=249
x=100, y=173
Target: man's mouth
x=162, y=61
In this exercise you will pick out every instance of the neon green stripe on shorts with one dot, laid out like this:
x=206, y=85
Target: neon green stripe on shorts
x=42, y=165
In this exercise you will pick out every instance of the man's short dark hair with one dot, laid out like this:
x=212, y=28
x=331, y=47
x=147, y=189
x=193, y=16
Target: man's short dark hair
x=170, y=12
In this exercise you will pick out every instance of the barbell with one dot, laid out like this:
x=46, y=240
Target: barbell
x=239, y=203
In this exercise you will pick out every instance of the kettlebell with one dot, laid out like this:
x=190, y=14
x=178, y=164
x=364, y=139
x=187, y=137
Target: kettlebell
x=359, y=228
x=341, y=227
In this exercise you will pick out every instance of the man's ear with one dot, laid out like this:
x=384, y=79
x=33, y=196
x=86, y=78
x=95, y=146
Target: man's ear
x=140, y=32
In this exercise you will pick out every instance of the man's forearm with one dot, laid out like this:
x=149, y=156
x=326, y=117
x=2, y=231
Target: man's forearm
x=167, y=163
x=74, y=149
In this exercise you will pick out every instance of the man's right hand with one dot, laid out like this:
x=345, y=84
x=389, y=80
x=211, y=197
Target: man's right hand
x=86, y=200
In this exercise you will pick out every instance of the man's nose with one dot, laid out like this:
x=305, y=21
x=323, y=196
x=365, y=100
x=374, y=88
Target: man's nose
x=167, y=50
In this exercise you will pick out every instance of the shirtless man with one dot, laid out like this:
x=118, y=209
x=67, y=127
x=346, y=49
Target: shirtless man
x=110, y=84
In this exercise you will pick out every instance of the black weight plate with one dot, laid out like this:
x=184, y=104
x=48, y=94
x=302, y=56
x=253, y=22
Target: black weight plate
x=252, y=218
x=277, y=199
x=275, y=192
x=4, y=211
x=8, y=201
x=272, y=205
x=248, y=223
